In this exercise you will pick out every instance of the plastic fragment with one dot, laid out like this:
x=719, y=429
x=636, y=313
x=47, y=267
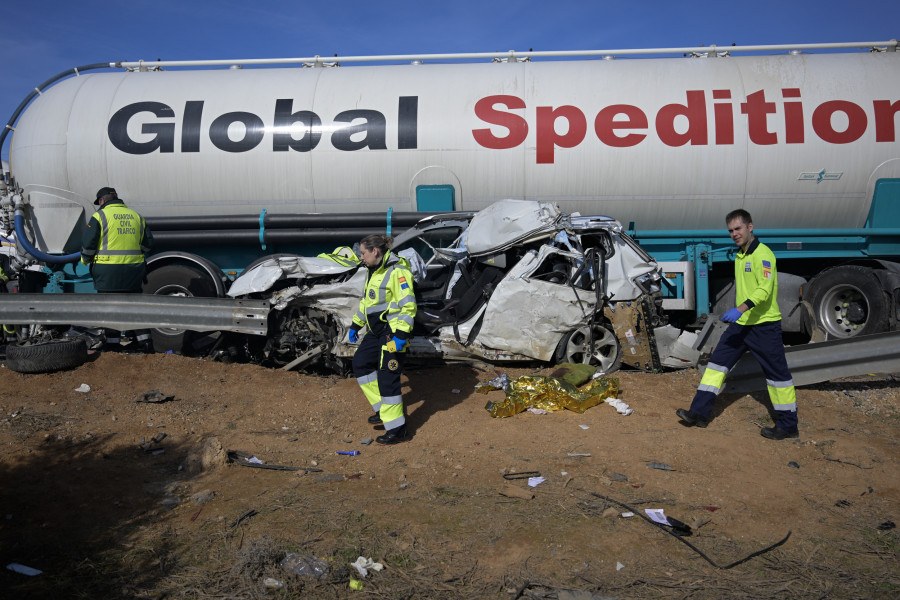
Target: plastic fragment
x=301, y=564
x=660, y=466
x=19, y=568
x=355, y=584
x=83, y=388
x=272, y=584
x=363, y=565
x=619, y=566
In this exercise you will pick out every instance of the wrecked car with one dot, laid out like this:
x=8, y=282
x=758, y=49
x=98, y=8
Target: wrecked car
x=517, y=281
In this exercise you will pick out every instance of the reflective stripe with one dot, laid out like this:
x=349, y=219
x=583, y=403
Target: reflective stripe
x=395, y=423
x=780, y=384
x=404, y=302
x=377, y=309
x=719, y=368
x=373, y=376
x=709, y=388
x=377, y=406
x=392, y=399
x=404, y=319
x=788, y=407
x=88, y=252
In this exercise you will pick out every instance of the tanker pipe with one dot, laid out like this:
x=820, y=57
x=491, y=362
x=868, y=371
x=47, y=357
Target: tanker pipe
x=47, y=258
x=246, y=237
x=39, y=89
x=299, y=221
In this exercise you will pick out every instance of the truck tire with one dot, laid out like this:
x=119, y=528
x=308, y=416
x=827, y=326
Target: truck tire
x=573, y=348
x=847, y=301
x=177, y=280
x=46, y=357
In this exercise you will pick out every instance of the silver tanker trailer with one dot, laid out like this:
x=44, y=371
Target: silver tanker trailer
x=232, y=161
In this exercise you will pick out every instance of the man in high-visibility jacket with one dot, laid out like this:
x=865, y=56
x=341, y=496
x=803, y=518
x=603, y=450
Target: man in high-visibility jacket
x=114, y=245
x=386, y=310
x=755, y=325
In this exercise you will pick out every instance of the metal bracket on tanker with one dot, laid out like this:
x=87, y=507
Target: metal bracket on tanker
x=319, y=63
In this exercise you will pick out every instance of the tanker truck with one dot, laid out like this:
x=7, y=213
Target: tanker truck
x=231, y=161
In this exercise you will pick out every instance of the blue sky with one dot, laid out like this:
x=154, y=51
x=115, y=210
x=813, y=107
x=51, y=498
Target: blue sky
x=42, y=38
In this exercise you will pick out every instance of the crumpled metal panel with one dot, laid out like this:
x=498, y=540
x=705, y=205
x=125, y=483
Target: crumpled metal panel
x=265, y=274
x=506, y=222
x=551, y=394
x=530, y=316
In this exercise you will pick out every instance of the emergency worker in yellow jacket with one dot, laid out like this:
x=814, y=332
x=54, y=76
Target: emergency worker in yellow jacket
x=755, y=325
x=386, y=310
x=114, y=245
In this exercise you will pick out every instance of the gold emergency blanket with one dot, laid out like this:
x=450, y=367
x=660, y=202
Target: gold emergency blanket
x=551, y=394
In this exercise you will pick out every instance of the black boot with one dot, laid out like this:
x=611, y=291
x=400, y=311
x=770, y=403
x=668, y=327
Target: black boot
x=375, y=419
x=392, y=436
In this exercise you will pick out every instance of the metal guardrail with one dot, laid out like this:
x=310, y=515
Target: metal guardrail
x=136, y=311
x=814, y=363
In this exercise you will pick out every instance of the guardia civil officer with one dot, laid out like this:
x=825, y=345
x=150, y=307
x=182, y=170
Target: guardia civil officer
x=755, y=325
x=114, y=245
x=386, y=311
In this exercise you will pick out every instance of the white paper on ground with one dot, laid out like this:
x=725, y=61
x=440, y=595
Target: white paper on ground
x=658, y=515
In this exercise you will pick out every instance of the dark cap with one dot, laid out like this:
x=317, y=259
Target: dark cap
x=104, y=191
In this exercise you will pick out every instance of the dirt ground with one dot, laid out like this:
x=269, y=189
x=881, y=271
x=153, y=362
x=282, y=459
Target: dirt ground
x=89, y=498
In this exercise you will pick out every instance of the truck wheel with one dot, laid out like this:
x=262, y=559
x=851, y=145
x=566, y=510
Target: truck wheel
x=848, y=301
x=574, y=349
x=46, y=357
x=177, y=280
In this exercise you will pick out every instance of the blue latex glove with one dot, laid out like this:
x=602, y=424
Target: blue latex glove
x=396, y=345
x=732, y=315
x=353, y=336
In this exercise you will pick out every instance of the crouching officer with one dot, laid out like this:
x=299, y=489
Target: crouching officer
x=114, y=245
x=387, y=309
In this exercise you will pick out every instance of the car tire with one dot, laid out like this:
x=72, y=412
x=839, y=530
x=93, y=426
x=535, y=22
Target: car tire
x=46, y=357
x=573, y=348
x=847, y=301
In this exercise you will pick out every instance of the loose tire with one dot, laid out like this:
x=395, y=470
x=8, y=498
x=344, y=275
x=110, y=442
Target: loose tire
x=574, y=349
x=847, y=301
x=46, y=357
x=177, y=280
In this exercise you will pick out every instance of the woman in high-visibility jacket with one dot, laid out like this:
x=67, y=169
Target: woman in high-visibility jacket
x=386, y=310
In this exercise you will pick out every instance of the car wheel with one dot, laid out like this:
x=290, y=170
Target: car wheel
x=46, y=357
x=847, y=301
x=574, y=348
x=177, y=280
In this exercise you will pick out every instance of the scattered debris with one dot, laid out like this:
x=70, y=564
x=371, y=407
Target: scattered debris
x=538, y=411
x=618, y=477
x=248, y=460
x=585, y=427
x=843, y=503
x=886, y=526
x=579, y=453
x=627, y=515
x=363, y=565
x=355, y=584
x=348, y=452
x=19, y=568
x=154, y=397
x=307, y=566
x=660, y=466
x=271, y=583
x=793, y=465
x=619, y=566
x=868, y=491
x=620, y=406
x=366, y=441
x=250, y=513
x=610, y=512
x=521, y=475
x=535, y=481
x=83, y=388
x=500, y=382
